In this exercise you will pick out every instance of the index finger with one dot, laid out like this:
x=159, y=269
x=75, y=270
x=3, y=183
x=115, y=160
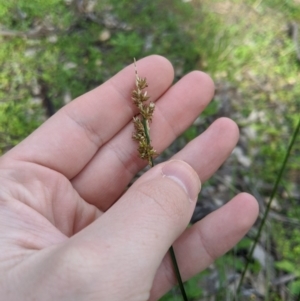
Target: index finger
x=69, y=139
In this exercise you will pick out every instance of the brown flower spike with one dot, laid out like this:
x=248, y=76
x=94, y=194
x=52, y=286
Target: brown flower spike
x=142, y=136
x=141, y=122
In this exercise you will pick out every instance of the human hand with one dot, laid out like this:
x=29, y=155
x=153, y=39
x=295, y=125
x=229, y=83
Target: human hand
x=67, y=229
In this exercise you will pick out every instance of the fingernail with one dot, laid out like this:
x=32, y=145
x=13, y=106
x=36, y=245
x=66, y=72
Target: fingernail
x=184, y=175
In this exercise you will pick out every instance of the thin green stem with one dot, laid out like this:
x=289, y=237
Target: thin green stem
x=171, y=250
x=177, y=273
x=146, y=128
x=278, y=179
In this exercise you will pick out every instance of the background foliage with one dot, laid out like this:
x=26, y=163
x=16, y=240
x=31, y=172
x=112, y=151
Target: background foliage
x=53, y=51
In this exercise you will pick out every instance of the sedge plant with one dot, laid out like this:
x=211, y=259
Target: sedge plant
x=145, y=149
x=273, y=193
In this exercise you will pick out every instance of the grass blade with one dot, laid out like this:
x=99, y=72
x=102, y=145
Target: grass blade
x=177, y=273
x=287, y=155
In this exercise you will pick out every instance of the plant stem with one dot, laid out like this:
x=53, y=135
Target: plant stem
x=146, y=128
x=283, y=165
x=171, y=250
x=177, y=273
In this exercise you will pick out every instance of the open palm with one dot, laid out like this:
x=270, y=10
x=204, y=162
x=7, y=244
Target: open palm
x=67, y=229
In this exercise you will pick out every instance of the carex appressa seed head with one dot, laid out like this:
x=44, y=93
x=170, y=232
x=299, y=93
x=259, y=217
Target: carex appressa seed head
x=142, y=120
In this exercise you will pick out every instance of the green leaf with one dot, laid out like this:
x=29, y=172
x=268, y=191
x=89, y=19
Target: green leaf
x=287, y=266
x=295, y=287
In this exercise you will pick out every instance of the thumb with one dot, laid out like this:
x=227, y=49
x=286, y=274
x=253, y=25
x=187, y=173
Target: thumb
x=134, y=235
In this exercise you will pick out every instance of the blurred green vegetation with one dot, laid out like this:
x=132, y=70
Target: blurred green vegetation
x=53, y=51
x=58, y=48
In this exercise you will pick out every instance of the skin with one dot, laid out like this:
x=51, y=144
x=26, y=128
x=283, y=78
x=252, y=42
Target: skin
x=70, y=230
